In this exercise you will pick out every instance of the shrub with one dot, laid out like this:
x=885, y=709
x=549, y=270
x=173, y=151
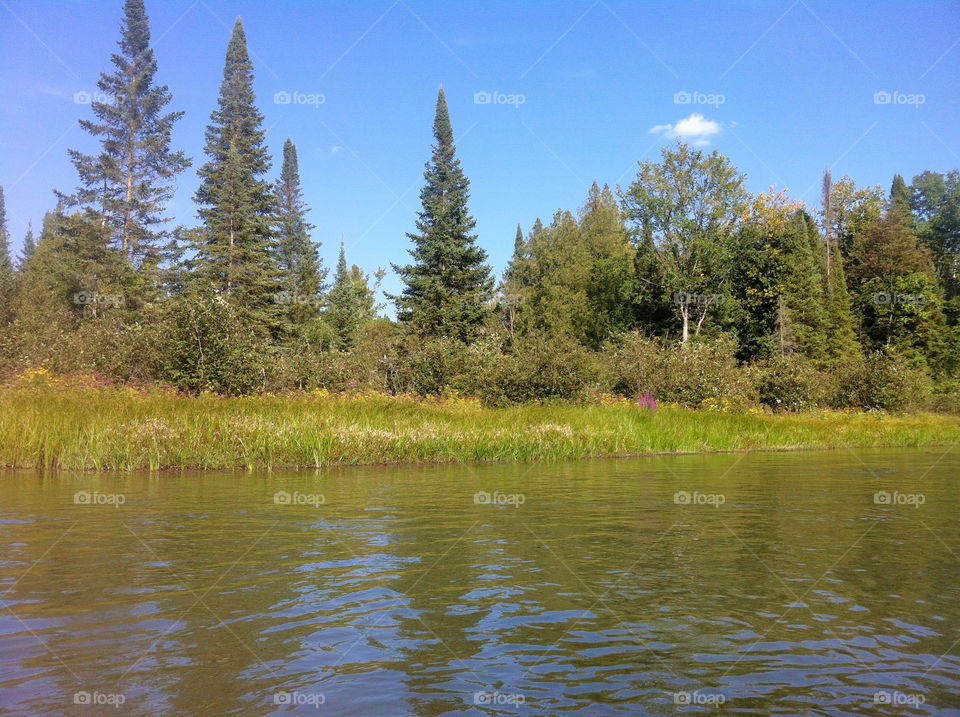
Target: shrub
x=202, y=345
x=688, y=374
x=542, y=367
x=789, y=383
x=883, y=380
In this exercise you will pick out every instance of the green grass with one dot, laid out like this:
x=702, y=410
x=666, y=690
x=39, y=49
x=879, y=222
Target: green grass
x=122, y=429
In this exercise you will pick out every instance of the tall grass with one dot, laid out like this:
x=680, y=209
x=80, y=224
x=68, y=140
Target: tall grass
x=124, y=429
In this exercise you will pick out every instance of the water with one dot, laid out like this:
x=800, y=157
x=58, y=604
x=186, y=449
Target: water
x=758, y=584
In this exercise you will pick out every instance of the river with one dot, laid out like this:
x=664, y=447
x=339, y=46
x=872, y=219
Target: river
x=769, y=583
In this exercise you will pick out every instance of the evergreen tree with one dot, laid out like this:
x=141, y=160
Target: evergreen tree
x=350, y=303
x=777, y=285
x=841, y=326
x=519, y=253
x=6, y=261
x=448, y=284
x=301, y=273
x=900, y=197
x=132, y=178
x=612, y=283
x=236, y=248
x=29, y=247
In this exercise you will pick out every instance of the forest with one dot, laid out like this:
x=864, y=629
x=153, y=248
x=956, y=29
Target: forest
x=680, y=288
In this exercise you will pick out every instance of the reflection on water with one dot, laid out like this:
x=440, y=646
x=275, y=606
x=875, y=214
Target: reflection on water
x=820, y=583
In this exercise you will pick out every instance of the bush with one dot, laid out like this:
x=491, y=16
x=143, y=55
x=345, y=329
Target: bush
x=789, y=383
x=202, y=345
x=883, y=380
x=698, y=371
x=542, y=367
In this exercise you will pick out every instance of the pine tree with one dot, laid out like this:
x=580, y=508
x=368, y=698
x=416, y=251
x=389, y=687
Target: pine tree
x=236, y=251
x=519, y=252
x=448, y=284
x=841, y=333
x=132, y=179
x=350, y=302
x=301, y=273
x=802, y=299
x=900, y=197
x=6, y=261
x=29, y=247
x=826, y=196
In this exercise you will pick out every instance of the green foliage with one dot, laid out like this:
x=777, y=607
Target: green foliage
x=688, y=206
x=542, y=367
x=789, y=383
x=204, y=344
x=935, y=200
x=900, y=197
x=448, y=285
x=769, y=312
x=882, y=380
x=236, y=253
x=852, y=208
x=690, y=374
x=351, y=302
x=301, y=274
x=6, y=265
x=133, y=177
x=574, y=277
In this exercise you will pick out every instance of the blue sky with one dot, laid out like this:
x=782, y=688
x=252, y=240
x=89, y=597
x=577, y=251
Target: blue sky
x=585, y=90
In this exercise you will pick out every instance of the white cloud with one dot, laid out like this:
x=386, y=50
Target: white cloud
x=335, y=149
x=695, y=129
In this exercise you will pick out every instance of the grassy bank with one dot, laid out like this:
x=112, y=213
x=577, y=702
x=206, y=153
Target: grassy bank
x=121, y=428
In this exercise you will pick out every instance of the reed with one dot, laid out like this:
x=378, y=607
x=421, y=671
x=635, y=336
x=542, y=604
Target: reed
x=120, y=428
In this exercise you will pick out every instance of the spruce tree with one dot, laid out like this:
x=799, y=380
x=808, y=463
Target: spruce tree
x=841, y=332
x=301, y=273
x=6, y=261
x=236, y=247
x=29, y=247
x=133, y=177
x=801, y=303
x=900, y=197
x=350, y=302
x=448, y=284
x=519, y=250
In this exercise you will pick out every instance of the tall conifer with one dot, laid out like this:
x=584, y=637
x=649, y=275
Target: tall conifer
x=236, y=247
x=130, y=182
x=448, y=284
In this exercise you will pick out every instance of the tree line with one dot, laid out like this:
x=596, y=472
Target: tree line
x=683, y=283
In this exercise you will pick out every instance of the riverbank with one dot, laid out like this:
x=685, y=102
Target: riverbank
x=126, y=429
